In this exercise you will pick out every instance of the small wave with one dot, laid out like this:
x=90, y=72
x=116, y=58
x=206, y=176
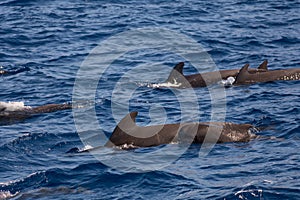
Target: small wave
x=285, y=40
x=17, y=181
x=13, y=106
x=86, y=148
x=252, y=193
x=7, y=195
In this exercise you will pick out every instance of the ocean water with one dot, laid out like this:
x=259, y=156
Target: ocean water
x=44, y=44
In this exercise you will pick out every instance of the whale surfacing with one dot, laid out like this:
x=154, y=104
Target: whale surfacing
x=204, y=79
x=242, y=76
x=127, y=132
x=245, y=77
x=16, y=111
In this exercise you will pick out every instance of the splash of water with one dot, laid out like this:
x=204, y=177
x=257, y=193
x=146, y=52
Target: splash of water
x=13, y=106
x=7, y=195
x=228, y=82
x=167, y=85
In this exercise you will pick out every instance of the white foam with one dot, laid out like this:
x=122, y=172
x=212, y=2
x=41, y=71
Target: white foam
x=87, y=147
x=167, y=84
x=13, y=106
x=127, y=146
x=229, y=81
x=6, y=195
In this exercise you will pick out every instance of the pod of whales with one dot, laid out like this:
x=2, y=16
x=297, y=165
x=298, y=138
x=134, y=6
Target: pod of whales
x=127, y=132
x=245, y=75
x=9, y=114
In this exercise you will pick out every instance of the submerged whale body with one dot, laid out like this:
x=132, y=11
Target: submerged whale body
x=177, y=77
x=16, y=111
x=128, y=133
x=245, y=77
x=13, y=71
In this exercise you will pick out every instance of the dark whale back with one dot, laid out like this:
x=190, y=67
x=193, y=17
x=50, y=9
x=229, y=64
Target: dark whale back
x=246, y=77
x=50, y=108
x=204, y=79
x=8, y=117
x=128, y=133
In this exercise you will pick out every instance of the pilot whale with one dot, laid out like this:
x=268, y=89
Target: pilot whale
x=127, y=132
x=11, y=113
x=246, y=77
x=180, y=80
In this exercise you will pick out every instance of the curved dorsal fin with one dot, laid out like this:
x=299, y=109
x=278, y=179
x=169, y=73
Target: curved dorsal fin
x=123, y=130
x=263, y=65
x=179, y=67
x=176, y=72
x=128, y=121
x=133, y=115
x=242, y=75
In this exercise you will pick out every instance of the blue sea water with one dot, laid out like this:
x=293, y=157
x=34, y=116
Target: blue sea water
x=43, y=45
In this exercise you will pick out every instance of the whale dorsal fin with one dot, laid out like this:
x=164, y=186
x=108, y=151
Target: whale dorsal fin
x=128, y=121
x=263, y=65
x=179, y=67
x=123, y=131
x=176, y=72
x=243, y=74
